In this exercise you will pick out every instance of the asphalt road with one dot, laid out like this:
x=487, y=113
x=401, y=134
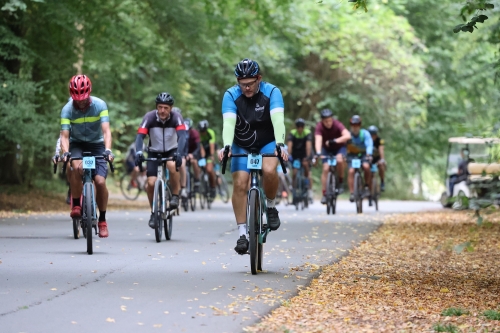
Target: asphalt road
x=192, y=283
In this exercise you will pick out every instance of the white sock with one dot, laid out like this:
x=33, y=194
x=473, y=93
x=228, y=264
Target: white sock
x=242, y=228
x=270, y=203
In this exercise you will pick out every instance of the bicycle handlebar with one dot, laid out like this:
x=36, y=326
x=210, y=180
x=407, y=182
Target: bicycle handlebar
x=111, y=167
x=226, y=157
x=153, y=159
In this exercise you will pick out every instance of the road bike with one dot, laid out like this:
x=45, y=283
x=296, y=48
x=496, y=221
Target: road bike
x=284, y=188
x=356, y=162
x=88, y=221
x=191, y=190
x=205, y=195
x=162, y=215
x=300, y=187
x=332, y=190
x=131, y=190
x=256, y=204
x=375, y=190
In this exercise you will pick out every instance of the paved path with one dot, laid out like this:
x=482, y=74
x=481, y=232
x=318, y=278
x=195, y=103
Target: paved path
x=193, y=283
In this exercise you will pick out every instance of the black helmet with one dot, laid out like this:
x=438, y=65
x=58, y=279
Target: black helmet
x=326, y=113
x=300, y=122
x=188, y=122
x=203, y=125
x=373, y=129
x=246, y=68
x=355, y=120
x=164, y=98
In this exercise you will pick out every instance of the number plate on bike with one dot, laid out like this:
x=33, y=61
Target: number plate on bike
x=202, y=162
x=296, y=164
x=254, y=162
x=374, y=168
x=332, y=161
x=356, y=164
x=89, y=162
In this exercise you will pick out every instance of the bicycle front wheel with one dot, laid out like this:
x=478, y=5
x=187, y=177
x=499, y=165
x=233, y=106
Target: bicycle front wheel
x=224, y=190
x=129, y=191
x=158, y=204
x=253, y=219
x=88, y=214
x=331, y=194
x=203, y=191
x=358, y=192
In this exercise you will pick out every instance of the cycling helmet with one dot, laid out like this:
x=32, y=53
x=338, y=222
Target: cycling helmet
x=300, y=122
x=188, y=122
x=80, y=87
x=203, y=125
x=164, y=98
x=175, y=108
x=355, y=120
x=246, y=68
x=326, y=113
x=373, y=129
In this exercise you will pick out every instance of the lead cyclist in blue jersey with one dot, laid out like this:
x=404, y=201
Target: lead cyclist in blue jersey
x=361, y=143
x=253, y=112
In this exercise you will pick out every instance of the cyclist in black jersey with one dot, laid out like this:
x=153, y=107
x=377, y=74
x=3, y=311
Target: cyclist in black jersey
x=378, y=154
x=300, y=147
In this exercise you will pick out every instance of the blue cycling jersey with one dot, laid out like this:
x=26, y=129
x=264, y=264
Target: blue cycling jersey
x=361, y=144
x=85, y=126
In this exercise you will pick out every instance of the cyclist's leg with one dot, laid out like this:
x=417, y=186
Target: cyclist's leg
x=341, y=165
x=350, y=180
x=367, y=174
x=151, y=173
x=241, y=182
x=75, y=173
x=381, y=171
x=270, y=183
x=183, y=179
x=211, y=172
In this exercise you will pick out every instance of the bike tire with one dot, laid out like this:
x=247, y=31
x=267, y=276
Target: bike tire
x=192, y=201
x=334, y=205
x=76, y=228
x=128, y=193
x=375, y=191
x=253, y=230
x=158, y=198
x=358, y=192
x=185, y=204
x=224, y=189
x=87, y=215
x=203, y=192
x=168, y=227
x=331, y=194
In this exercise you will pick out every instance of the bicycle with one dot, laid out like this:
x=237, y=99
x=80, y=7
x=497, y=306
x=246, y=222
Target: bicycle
x=332, y=191
x=190, y=200
x=284, y=188
x=256, y=204
x=222, y=187
x=162, y=215
x=356, y=163
x=129, y=191
x=205, y=197
x=300, y=187
x=88, y=221
x=375, y=191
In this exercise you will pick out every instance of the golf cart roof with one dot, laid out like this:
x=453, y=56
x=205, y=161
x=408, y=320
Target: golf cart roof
x=474, y=141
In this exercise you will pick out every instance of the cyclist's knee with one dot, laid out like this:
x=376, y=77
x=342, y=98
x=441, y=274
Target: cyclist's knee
x=151, y=181
x=100, y=181
x=351, y=171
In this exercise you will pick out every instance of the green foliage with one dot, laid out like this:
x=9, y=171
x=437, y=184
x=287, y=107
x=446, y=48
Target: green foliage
x=450, y=328
x=454, y=312
x=492, y=314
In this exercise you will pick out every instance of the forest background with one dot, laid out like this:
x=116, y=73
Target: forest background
x=399, y=65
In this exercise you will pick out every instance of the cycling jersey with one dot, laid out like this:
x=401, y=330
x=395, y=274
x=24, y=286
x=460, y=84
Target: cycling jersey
x=331, y=133
x=361, y=144
x=376, y=144
x=248, y=121
x=299, y=141
x=163, y=135
x=207, y=138
x=194, y=142
x=85, y=125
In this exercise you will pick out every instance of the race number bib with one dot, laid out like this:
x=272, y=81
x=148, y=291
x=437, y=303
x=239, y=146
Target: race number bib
x=356, y=164
x=254, y=162
x=202, y=162
x=89, y=162
x=332, y=161
x=296, y=164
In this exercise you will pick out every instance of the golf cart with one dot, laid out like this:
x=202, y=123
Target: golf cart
x=468, y=162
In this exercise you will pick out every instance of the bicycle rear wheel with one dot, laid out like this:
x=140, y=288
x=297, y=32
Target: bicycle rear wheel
x=253, y=230
x=76, y=228
x=375, y=190
x=88, y=214
x=358, y=192
x=223, y=190
x=158, y=205
x=331, y=197
x=129, y=192
x=168, y=218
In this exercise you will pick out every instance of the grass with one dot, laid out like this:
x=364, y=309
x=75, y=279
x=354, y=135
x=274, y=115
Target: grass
x=445, y=328
x=454, y=312
x=492, y=314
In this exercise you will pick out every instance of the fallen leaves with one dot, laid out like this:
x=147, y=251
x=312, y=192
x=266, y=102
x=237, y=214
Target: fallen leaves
x=402, y=279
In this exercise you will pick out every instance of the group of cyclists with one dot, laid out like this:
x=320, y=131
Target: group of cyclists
x=253, y=121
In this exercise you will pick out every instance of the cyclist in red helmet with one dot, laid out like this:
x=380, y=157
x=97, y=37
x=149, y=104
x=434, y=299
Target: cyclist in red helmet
x=88, y=118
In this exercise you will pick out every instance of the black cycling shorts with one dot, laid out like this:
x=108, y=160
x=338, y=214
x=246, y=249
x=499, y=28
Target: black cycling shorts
x=97, y=149
x=152, y=166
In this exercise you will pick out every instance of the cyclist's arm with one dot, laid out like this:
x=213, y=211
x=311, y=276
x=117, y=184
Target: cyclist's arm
x=318, y=143
x=277, y=107
x=181, y=136
x=139, y=142
x=346, y=136
x=197, y=150
x=142, y=131
x=65, y=141
x=58, y=146
x=229, y=118
x=212, y=149
x=368, y=143
x=290, y=146
x=106, y=132
x=308, y=145
x=65, y=128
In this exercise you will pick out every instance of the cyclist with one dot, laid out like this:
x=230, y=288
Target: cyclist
x=208, y=147
x=193, y=150
x=182, y=169
x=57, y=158
x=361, y=143
x=88, y=118
x=253, y=113
x=167, y=138
x=299, y=147
x=330, y=137
x=378, y=154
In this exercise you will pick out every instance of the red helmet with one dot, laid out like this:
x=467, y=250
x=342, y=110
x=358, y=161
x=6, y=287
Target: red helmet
x=80, y=87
